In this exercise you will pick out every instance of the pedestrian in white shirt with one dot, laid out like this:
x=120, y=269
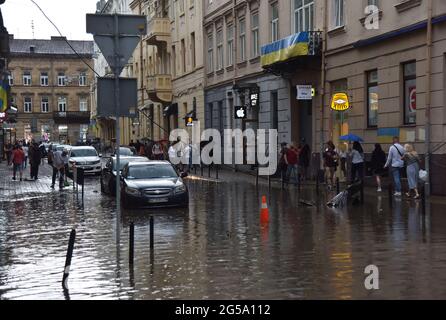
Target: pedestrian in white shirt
x=25, y=150
x=396, y=163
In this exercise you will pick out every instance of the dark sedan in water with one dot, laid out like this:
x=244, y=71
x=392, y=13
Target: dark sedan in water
x=108, y=174
x=153, y=184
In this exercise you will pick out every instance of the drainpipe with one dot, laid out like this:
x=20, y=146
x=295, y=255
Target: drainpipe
x=427, y=140
x=141, y=59
x=323, y=87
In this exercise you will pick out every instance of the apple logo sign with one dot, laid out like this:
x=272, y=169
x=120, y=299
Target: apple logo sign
x=240, y=113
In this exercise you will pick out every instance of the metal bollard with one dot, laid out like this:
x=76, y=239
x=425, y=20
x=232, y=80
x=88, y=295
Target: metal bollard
x=269, y=181
x=209, y=171
x=201, y=169
x=362, y=192
x=216, y=173
x=131, y=243
x=390, y=196
x=423, y=201
x=151, y=233
x=257, y=177
x=66, y=271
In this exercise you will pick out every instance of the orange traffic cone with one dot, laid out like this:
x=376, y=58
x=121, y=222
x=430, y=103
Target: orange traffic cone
x=264, y=212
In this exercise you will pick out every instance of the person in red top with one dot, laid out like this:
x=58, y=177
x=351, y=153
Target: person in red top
x=291, y=159
x=18, y=157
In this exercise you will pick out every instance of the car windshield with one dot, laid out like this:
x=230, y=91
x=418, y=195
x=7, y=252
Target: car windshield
x=151, y=172
x=123, y=162
x=125, y=152
x=83, y=153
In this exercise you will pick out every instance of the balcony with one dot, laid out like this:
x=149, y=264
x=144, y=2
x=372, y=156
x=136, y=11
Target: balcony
x=66, y=117
x=159, y=88
x=158, y=31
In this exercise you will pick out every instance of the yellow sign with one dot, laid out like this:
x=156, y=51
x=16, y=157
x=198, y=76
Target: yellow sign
x=340, y=102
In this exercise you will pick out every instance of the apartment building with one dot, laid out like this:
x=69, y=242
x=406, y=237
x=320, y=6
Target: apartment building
x=393, y=69
x=169, y=64
x=50, y=87
x=268, y=47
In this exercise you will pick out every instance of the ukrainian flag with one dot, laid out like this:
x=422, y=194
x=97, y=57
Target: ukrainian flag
x=4, y=88
x=284, y=49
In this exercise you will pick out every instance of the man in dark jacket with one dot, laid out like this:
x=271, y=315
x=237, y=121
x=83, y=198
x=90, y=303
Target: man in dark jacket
x=35, y=157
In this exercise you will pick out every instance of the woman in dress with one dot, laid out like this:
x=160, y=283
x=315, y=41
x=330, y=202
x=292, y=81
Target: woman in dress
x=378, y=161
x=412, y=162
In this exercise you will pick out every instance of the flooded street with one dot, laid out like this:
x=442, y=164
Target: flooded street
x=217, y=249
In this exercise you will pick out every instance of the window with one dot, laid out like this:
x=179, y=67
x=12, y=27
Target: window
x=61, y=79
x=242, y=38
x=255, y=34
x=192, y=49
x=82, y=79
x=28, y=104
x=174, y=61
x=27, y=78
x=183, y=55
x=230, y=44
x=303, y=15
x=274, y=110
x=11, y=80
x=210, y=53
x=410, y=92
x=44, y=104
x=372, y=98
x=62, y=104
x=274, y=22
x=338, y=13
x=83, y=104
x=44, y=79
x=219, y=49
x=373, y=3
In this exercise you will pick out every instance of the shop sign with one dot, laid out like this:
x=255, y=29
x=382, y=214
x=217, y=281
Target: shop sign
x=305, y=92
x=340, y=102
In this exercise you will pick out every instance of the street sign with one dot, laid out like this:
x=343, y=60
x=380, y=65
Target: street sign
x=128, y=97
x=254, y=97
x=304, y=92
x=340, y=102
x=104, y=28
x=240, y=112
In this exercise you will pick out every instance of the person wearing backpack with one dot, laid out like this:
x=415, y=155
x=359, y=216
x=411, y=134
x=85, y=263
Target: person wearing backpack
x=396, y=164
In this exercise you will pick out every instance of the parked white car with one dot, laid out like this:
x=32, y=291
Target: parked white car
x=85, y=157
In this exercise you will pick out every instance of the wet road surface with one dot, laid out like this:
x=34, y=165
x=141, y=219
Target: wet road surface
x=217, y=249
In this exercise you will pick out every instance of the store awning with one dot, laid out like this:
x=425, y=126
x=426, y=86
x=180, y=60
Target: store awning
x=170, y=109
x=284, y=49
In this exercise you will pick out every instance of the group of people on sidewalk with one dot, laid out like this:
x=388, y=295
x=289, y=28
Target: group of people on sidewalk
x=294, y=161
x=398, y=158
x=18, y=156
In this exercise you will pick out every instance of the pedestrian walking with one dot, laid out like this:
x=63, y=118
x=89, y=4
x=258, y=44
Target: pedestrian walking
x=330, y=163
x=25, y=151
x=395, y=163
x=304, y=159
x=342, y=153
x=157, y=151
x=282, y=166
x=59, y=159
x=412, y=162
x=17, y=158
x=292, y=161
x=378, y=161
x=35, y=158
x=357, y=155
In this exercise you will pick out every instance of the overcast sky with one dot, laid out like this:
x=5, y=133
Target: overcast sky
x=67, y=15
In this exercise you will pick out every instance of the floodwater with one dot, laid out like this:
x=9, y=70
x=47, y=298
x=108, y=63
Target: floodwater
x=218, y=249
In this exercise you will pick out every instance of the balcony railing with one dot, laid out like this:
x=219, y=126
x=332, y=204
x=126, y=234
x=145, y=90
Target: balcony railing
x=158, y=30
x=82, y=117
x=159, y=88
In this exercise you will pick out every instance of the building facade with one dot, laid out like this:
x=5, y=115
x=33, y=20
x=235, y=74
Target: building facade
x=50, y=85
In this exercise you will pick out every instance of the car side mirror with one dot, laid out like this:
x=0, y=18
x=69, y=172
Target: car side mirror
x=183, y=174
x=100, y=155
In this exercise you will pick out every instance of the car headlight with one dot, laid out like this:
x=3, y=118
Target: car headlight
x=180, y=189
x=132, y=191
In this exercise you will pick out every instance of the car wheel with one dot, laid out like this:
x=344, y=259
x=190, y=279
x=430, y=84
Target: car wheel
x=124, y=200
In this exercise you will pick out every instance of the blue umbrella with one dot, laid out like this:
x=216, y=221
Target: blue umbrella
x=351, y=137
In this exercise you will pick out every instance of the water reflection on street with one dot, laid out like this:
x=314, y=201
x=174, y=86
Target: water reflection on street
x=217, y=249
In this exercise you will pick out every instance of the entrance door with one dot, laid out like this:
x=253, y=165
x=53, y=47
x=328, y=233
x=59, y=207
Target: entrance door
x=306, y=121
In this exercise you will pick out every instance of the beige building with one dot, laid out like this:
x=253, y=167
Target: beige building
x=390, y=75
x=169, y=64
x=50, y=87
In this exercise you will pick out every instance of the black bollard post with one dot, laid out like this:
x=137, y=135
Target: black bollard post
x=131, y=243
x=151, y=233
x=257, y=177
x=201, y=169
x=269, y=181
x=216, y=173
x=66, y=271
x=337, y=186
x=423, y=201
x=209, y=171
x=317, y=182
x=390, y=196
x=195, y=168
x=362, y=191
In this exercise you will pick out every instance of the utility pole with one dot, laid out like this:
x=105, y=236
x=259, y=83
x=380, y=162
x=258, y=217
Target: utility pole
x=427, y=126
x=117, y=108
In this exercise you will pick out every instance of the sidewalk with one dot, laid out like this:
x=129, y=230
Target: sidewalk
x=11, y=190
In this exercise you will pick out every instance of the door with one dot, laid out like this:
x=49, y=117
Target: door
x=306, y=121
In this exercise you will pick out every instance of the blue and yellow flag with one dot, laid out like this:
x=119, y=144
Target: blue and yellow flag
x=284, y=49
x=4, y=88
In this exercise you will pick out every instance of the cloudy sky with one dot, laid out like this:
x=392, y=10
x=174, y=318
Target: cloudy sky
x=68, y=15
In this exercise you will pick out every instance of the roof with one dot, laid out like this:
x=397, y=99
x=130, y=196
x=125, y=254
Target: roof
x=55, y=46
